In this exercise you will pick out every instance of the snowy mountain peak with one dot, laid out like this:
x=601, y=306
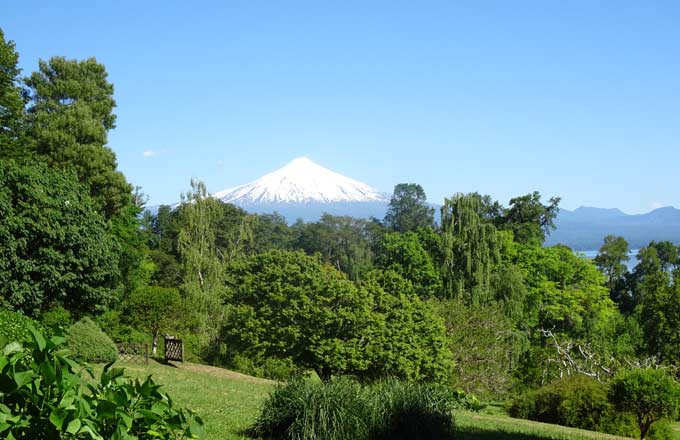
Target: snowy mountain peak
x=301, y=181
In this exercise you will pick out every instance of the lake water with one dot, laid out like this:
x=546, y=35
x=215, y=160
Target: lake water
x=631, y=263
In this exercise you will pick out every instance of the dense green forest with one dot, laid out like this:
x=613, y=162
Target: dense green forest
x=475, y=302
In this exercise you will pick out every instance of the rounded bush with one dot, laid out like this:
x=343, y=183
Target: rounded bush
x=576, y=401
x=89, y=343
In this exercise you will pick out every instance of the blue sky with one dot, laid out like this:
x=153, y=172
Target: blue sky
x=579, y=99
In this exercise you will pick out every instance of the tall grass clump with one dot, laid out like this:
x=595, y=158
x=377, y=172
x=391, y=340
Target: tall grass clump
x=343, y=409
x=303, y=410
x=405, y=410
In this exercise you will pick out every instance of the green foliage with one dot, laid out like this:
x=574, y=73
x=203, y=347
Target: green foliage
x=12, y=114
x=648, y=394
x=576, y=401
x=56, y=249
x=153, y=309
x=72, y=110
x=289, y=305
x=405, y=254
x=113, y=324
x=658, y=309
x=342, y=241
x=202, y=271
x=342, y=409
x=484, y=344
x=611, y=260
x=529, y=219
x=406, y=338
x=270, y=368
x=565, y=292
x=14, y=326
x=471, y=249
x=44, y=397
x=89, y=343
x=56, y=320
x=408, y=209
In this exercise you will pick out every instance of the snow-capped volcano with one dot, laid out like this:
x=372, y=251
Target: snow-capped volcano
x=301, y=181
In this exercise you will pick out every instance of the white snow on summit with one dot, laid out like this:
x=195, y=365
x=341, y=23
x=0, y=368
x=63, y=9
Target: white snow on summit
x=301, y=181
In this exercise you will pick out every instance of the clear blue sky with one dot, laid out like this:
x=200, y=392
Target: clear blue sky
x=579, y=99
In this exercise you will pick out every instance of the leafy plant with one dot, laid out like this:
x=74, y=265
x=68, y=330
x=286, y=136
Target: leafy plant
x=47, y=398
x=14, y=326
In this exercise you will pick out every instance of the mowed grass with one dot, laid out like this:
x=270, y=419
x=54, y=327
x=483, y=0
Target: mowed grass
x=229, y=402
x=481, y=426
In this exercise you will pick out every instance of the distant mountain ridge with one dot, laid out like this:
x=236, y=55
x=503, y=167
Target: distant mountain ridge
x=305, y=190
x=585, y=228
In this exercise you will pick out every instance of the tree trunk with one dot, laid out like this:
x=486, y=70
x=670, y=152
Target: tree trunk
x=644, y=428
x=324, y=373
x=154, y=348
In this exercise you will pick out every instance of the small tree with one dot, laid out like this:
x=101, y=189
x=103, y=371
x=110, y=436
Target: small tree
x=153, y=309
x=646, y=393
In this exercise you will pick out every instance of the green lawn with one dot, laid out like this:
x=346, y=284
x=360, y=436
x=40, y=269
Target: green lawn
x=228, y=402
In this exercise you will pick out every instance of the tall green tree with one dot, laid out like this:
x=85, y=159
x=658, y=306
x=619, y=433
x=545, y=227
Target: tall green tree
x=611, y=260
x=659, y=316
x=202, y=269
x=343, y=241
x=71, y=111
x=12, y=112
x=55, y=246
x=405, y=255
x=408, y=209
x=290, y=305
x=529, y=219
x=470, y=249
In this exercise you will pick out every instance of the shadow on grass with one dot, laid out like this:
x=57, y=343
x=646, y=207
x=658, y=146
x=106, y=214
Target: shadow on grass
x=483, y=434
x=163, y=361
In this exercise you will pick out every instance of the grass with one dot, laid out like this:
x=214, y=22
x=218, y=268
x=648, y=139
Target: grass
x=229, y=402
x=482, y=426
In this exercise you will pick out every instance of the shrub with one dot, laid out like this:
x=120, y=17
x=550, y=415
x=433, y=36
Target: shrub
x=89, y=343
x=343, y=409
x=47, y=399
x=119, y=332
x=270, y=368
x=576, y=401
x=14, y=326
x=56, y=320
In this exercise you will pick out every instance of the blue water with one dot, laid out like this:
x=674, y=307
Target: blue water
x=631, y=263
